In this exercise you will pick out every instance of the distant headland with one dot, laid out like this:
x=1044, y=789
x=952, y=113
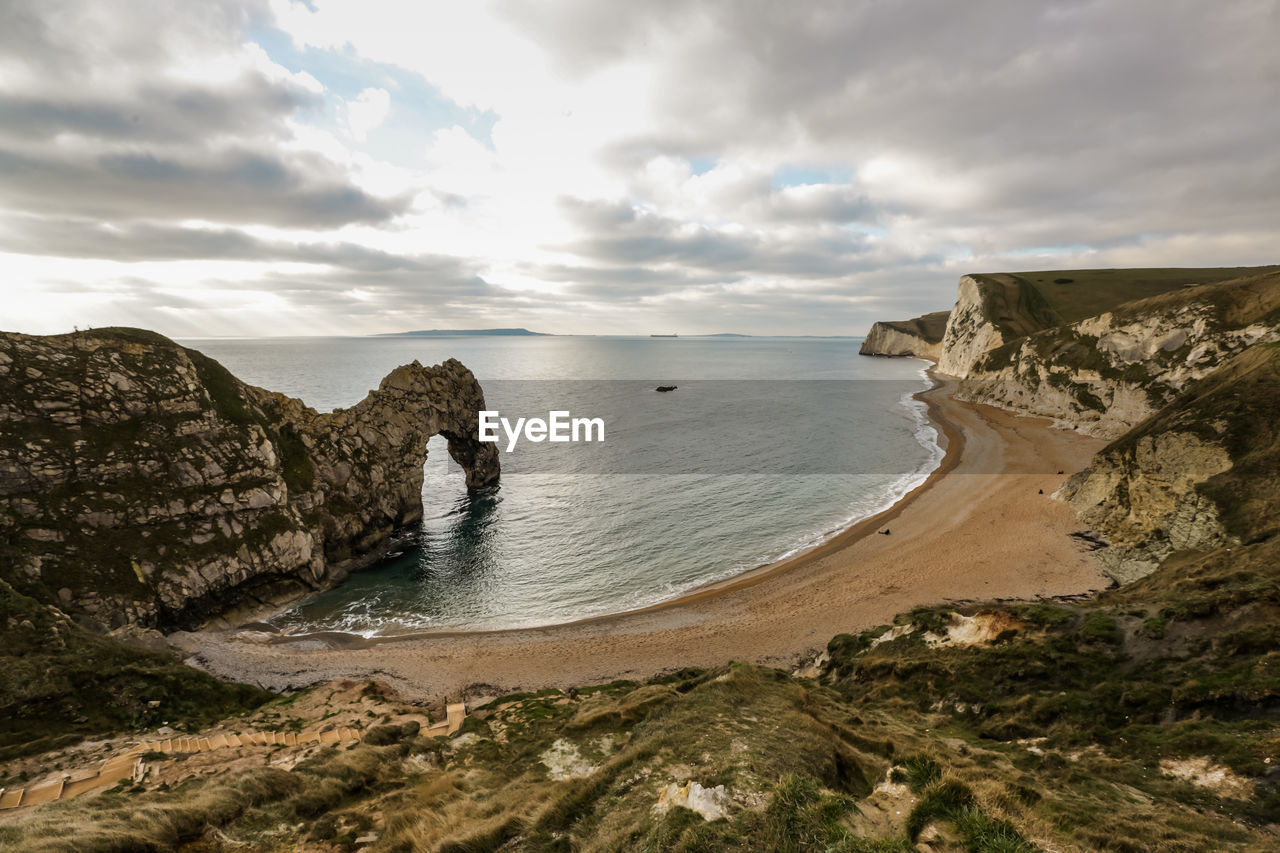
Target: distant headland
x=450, y=333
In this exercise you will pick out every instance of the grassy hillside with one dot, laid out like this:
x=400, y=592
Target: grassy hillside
x=928, y=326
x=1016, y=307
x=1235, y=302
x=1073, y=727
x=1074, y=295
x=1237, y=405
x=60, y=683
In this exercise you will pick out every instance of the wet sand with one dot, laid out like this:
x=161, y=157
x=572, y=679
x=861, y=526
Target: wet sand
x=978, y=530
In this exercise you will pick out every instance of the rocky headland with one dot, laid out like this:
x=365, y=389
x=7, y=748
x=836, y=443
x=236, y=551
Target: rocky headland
x=920, y=337
x=1176, y=366
x=142, y=484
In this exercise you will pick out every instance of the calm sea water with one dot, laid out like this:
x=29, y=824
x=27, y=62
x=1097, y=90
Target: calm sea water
x=768, y=446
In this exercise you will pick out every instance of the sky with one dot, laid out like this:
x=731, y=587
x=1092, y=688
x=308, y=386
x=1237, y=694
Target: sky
x=280, y=167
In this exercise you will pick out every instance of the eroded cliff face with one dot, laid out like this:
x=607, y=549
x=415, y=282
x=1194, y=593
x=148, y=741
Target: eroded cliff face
x=970, y=331
x=1146, y=503
x=1105, y=374
x=990, y=311
x=140, y=482
x=918, y=338
x=1184, y=378
x=1199, y=475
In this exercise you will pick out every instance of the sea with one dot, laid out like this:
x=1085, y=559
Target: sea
x=766, y=447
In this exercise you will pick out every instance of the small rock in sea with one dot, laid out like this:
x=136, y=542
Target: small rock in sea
x=665, y=388
x=1042, y=491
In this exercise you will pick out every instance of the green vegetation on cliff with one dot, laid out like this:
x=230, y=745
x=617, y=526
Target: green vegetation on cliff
x=1073, y=295
x=1238, y=407
x=1107, y=371
x=1142, y=721
x=142, y=483
x=1015, y=306
x=928, y=327
x=60, y=683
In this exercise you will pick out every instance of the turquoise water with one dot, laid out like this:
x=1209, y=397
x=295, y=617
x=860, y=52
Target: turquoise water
x=768, y=446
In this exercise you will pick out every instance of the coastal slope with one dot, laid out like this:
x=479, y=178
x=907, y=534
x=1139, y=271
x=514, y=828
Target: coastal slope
x=920, y=337
x=1198, y=476
x=1106, y=373
x=996, y=309
x=141, y=483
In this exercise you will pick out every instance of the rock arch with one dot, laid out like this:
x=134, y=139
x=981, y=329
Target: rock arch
x=140, y=482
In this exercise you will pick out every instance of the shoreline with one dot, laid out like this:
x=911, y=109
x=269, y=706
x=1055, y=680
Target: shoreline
x=256, y=616
x=950, y=440
x=767, y=614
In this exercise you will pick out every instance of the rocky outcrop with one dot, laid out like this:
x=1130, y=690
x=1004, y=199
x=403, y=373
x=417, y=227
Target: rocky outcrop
x=1178, y=365
x=140, y=482
x=1199, y=475
x=918, y=338
x=1105, y=374
x=990, y=311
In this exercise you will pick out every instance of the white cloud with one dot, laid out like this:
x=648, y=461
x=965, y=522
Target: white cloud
x=366, y=111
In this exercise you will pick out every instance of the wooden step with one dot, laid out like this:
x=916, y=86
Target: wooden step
x=455, y=715
x=46, y=793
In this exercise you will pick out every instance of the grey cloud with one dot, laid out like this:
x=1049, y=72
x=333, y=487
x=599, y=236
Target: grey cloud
x=98, y=120
x=1112, y=126
x=626, y=282
x=364, y=302
x=596, y=213
x=234, y=185
x=622, y=239
x=825, y=203
x=149, y=241
x=158, y=113
x=65, y=40
x=1075, y=122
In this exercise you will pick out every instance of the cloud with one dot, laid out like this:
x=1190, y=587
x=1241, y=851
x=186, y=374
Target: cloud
x=367, y=111
x=620, y=235
x=159, y=112
x=145, y=241
x=293, y=189
x=102, y=117
x=749, y=166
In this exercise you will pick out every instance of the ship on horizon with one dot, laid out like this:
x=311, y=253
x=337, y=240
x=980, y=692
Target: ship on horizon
x=664, y=336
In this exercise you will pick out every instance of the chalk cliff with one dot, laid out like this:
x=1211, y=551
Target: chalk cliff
x=1179, y=366
x=919, y=338
x=1105, y=374
x=1198, y=475
x=140, y=482
x=990, y=310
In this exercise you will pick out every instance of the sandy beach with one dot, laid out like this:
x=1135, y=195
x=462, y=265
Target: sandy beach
x=983, y=527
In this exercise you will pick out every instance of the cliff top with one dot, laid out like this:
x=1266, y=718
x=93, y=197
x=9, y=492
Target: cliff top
x=1073, y=295
x=928, y=326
